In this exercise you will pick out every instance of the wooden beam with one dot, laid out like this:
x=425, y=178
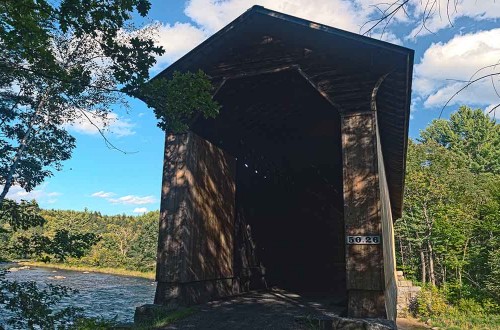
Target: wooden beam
x=364, y=262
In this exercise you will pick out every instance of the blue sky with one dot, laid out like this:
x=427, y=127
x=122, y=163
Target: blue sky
x=111, y=182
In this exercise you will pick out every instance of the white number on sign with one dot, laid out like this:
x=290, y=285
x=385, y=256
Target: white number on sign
x=363, y=239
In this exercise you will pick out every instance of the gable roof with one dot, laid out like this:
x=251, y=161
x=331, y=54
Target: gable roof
x=344, y=67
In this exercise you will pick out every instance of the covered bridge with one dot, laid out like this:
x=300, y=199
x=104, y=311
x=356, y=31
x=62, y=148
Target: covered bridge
x=296, y=183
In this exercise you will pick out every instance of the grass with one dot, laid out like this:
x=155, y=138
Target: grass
x=161, y=319
x=459, y=321
x=104, y=270
x=164, y=318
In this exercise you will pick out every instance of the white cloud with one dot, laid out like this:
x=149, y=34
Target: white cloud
x=133, y=200
x=128, y=199
x=140, y=210
x=111, y=123
x=177, y=40
x=348, y=15
x=103, y=194
x=41, y=194
x=446, y=67
x=209, y=16
x=445, y=11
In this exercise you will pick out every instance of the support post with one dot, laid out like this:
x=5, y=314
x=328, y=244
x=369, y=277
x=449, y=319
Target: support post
x=364, y=262
x=172, y=220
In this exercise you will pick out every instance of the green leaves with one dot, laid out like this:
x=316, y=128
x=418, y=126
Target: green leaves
x=61, y=60
x=178, y=101
x=60, y=247
x=451, y=220
x=65, y=244
x=62, y=244
x=35, y=307
x=472, y=135
x=20, y=216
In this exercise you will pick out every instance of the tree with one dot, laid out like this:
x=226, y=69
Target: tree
x=66, y=244
x=23, y=215
x=60, y=62
x=472, y=135
x=178, y=102
x=30, y=305
x=66, y=61
x=431, y=174
x=448, y=234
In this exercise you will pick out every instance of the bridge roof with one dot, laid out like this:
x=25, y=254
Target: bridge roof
x=343, y=68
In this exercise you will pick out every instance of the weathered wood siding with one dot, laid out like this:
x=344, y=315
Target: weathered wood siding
x=195, y=250
x=364, y=263
x=391, y=290
x=173, y=210
x=209, y=242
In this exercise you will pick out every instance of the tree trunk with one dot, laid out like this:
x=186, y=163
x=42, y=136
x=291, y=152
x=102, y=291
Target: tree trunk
x=429, y=223
x=422, y=259
x=444, y=273
x=432, y=277
x=463, y=262
x=422, y=265
x=401, y=251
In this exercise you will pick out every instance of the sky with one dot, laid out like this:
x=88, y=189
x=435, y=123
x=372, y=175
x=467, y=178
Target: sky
x=447, y=54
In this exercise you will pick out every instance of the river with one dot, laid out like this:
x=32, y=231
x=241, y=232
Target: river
x=100, y=295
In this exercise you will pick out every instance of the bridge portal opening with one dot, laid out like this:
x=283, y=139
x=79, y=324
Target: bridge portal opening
x=288, y=220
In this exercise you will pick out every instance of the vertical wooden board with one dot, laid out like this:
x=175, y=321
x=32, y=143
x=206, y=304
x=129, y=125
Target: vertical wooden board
x=172, y=216
x=364, y=263
x=208, y=239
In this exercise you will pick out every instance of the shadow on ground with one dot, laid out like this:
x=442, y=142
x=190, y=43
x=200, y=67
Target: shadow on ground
x=274, y=309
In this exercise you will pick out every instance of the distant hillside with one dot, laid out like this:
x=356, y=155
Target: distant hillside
x=126, y=242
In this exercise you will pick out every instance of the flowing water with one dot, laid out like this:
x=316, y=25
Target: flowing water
x=100, y=295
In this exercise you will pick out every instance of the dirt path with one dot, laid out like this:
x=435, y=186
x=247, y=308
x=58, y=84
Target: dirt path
x=410, y=324
x=260, y=310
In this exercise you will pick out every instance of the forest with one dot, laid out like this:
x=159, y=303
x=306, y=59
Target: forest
x=89, y=239
x=448, y=238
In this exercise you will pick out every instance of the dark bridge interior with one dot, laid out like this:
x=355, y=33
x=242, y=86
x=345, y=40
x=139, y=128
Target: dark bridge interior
x=286, y=139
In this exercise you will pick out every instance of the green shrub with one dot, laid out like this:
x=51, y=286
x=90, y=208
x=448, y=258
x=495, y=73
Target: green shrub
x=35, y=307
x=162, y=318
x=491, y=306
x=470, y=306
x=430, y=302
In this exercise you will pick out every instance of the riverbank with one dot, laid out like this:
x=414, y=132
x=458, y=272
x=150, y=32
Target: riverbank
x=104, y=270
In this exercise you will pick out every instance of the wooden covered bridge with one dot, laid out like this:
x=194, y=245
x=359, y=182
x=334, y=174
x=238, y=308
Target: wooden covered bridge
x=296, y=183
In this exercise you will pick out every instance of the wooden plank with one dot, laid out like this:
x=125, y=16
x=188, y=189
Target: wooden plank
x=209, y=227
